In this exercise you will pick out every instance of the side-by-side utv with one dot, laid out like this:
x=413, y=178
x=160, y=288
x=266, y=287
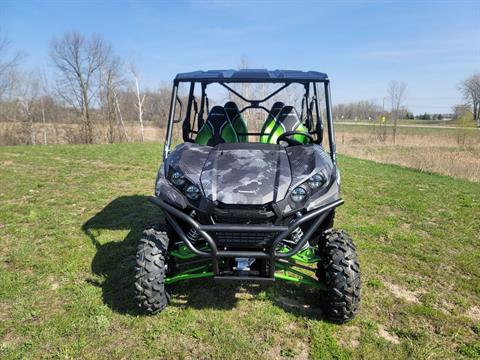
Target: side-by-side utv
x=250, y=205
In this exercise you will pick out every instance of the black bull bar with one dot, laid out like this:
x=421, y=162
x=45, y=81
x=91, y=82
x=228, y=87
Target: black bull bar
x=171, y=213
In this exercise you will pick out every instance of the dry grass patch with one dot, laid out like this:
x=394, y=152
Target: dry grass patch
x=474, y=313
x=402, y=293
x=462, y=163
x=452, y=152
x=390, y=337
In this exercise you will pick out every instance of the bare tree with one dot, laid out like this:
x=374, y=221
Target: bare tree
x=460, y=110
x=111, y=83
x=140, y=98
x=396, y=94
x=79, y=62
x=28, y=94
x=362, y=110
x=44, y=93
x=470, y=88
x=8, y=64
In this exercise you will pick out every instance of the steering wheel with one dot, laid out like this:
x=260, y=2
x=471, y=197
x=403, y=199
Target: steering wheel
x=292, y=142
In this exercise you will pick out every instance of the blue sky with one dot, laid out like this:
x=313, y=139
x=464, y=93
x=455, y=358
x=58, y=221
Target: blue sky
x=362, y=45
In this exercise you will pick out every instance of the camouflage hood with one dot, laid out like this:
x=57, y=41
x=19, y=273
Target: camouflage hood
x=247, y=173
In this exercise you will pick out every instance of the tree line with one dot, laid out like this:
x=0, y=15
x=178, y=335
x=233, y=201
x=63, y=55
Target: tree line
x=92, y=88
x=95, y=96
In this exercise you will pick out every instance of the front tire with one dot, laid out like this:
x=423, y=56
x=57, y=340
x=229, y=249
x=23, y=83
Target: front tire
x=340, y=272
x=150, y=291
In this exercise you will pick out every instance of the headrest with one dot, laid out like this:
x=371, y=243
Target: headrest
x=276, y=108
x=217, y=117
x=288, y=116
x=232, y=110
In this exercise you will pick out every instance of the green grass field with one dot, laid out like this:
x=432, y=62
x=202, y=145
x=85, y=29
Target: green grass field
x=70, y=217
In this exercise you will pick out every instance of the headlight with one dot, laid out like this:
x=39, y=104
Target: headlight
x=316, y=181
x=298, y=194
x=177, y=178
x=192, y=192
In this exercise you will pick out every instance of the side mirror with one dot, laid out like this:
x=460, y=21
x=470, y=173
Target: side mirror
x=178, y=109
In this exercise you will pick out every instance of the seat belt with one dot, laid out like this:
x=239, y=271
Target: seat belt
x=309, y=121
x=195, y=116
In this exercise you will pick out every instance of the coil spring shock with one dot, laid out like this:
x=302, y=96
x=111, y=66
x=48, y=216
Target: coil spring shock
x=192, y=235
x=297, y=235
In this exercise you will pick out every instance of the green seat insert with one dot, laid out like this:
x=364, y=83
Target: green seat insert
x=270, y=121
x=237, y=120
x=287, y=120
x=217, y=129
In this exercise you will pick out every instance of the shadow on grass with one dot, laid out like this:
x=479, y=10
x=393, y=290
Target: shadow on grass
x=115, y=261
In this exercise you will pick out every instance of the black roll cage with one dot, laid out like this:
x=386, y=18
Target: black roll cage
x=187, y=129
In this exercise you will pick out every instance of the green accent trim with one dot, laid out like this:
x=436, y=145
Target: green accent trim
x=272, y=129
x=301, y=138
x=305, y=281
x=266, y=130
x=183, y=253
x=240, y=126
x=229, y=134
x=204, y=135
x=274, y=132
x=301, y=279
x=284, y=271
x=306, y=256
x=201, y=268
x=184, y=276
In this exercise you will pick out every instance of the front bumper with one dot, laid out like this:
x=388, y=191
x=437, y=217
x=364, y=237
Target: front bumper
x=271, y=255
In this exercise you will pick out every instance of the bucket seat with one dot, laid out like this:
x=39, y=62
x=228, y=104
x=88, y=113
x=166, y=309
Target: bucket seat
x=270, y=121
x=286, y=120
x=237, y=120
x=217, y=129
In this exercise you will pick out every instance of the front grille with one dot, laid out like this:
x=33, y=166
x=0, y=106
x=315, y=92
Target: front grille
x=245, y=207
x=243, y=239
x=240, y=220
x=244, y=214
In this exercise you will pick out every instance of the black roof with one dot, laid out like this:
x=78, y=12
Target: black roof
x=251, y=75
